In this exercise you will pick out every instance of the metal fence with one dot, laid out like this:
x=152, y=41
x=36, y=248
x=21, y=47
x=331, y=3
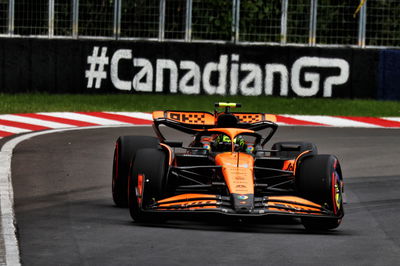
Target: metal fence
x=301, y=22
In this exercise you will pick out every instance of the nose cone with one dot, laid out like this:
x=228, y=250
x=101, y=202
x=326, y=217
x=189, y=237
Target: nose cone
x=237, y=169
x=243, y=203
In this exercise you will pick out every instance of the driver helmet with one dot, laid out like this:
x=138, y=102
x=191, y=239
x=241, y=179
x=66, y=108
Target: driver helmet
x=223, y=143
x=240, y=144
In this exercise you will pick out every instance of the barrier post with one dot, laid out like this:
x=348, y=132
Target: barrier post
x=188, y=22
x=362, y=21
x=284, y=21
x=11, y=13
x=235, y=20
x=51, y=19
x=75, y=18
x=313, y=23
x=161, y=28
x=117, y=19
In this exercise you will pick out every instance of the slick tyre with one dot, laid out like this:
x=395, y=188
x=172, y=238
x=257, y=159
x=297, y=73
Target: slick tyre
x=151, y=165
x=319, y=179
x=292, y=149
x=125, y=150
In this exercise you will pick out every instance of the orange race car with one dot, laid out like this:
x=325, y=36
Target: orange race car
x=225, y=169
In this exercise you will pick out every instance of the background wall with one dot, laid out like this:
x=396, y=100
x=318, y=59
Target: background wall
x=89, y=66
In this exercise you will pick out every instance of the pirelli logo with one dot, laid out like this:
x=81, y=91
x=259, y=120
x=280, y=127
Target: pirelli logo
x=189, y=118
x=249, y=118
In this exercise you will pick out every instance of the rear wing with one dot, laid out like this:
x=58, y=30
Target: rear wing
x=209, y=119
x=191, y=122
x=186, y=117
x=254, y=117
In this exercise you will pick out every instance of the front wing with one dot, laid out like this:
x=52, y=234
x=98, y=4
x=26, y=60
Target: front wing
x=267, y=205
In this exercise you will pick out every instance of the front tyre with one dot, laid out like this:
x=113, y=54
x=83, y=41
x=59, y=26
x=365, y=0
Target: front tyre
x=126, y=148
x=147, y=183
x=319, y=179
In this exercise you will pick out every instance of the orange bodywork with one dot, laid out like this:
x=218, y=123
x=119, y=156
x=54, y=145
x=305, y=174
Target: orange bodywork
x=253, y=118
x=189, y=202
x=237, y=168
x=279, y=203
x=288, y=165
x=166, y=147
x=194, y=118
x=205, y=118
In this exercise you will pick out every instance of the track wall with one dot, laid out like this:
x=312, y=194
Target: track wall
x=87, y=66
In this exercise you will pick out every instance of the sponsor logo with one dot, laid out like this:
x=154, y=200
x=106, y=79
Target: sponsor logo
x=243, y=197
x=197, y=203
x=227, y=75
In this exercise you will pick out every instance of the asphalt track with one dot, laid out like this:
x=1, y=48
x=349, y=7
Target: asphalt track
x=65, y=214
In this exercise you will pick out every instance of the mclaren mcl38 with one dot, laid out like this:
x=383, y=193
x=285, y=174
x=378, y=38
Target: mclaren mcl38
x=225, y=169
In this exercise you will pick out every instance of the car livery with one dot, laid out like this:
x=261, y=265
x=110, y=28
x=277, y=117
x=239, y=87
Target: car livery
x=226, y=170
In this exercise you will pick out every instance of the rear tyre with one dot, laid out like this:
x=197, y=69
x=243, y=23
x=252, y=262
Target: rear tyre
x=292, y=149
x=125, y=150
x=151, y=164
x=319, y=179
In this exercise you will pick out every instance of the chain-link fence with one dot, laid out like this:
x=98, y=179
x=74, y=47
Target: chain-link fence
x=298, y=22
x=212, y=20
x=339, y=25
x=260, y=21
x=383, y=23
x=302, y=22
x=140, y=19
x=31, y=17
x=3, y=17
x=63, y=11
x=175, y=19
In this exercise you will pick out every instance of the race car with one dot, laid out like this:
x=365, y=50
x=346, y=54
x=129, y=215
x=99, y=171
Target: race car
x=225, y=169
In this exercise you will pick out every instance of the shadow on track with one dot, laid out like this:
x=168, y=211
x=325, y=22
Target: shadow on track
x=263, y=225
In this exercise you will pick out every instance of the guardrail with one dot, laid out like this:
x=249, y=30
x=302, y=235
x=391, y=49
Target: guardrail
x=300, y=22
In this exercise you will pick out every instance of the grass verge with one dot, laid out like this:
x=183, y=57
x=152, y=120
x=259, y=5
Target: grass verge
x=38, y=102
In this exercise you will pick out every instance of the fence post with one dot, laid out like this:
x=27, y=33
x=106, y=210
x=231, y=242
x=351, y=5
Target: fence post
x=161, y=28
x=117, y=19
x=75, y=18
x=235, y=20
x=313, y=23
x=11, y=12
x=51, y=19
x=284, y=17
x=362, y=22
x=188, y=24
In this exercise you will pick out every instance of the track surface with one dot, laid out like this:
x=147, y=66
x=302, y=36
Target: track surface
x=66, y=216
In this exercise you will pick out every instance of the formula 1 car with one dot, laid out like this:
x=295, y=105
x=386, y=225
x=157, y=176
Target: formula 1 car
x=225, y=170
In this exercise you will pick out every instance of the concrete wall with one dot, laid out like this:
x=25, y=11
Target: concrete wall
x=87, y=66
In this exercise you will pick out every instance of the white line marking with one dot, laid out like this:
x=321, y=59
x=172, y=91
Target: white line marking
x=14, y=129
x=395, y=119
x=33, y=121
x=145, y=116
x=8, y=222
x=332, y=121
x=85, y=118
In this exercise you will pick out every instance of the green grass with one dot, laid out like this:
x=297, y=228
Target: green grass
x=28, y=103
